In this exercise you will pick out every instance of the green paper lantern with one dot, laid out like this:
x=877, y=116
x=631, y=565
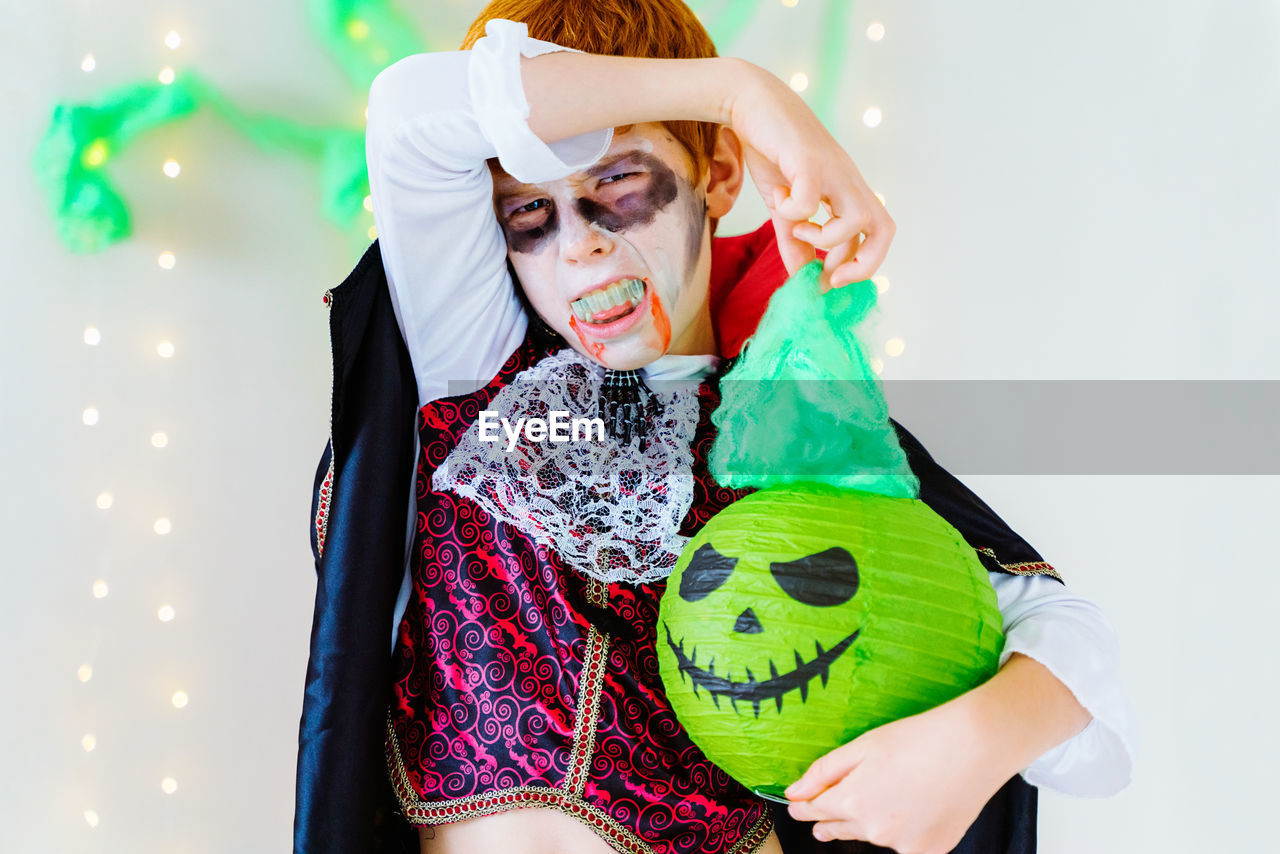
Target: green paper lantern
x=804, y=615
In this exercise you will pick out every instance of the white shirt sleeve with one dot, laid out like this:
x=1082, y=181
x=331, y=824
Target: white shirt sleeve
x=434, y=119
x=1069, y=635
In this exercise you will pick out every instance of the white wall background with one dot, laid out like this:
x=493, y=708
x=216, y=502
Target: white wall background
x=1083, y=191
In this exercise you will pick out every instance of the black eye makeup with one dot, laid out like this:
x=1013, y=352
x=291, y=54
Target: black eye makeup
x=607, y=181
x=631, y=189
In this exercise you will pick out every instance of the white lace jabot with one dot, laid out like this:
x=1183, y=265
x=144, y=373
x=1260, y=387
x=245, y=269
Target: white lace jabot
x=610, y=511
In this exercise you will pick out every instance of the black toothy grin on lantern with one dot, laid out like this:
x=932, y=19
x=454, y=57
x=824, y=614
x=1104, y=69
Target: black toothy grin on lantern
x=752, y=691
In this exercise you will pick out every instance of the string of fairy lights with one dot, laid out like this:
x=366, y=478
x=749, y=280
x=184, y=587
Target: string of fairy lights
x=159, y=439
x=167, y=260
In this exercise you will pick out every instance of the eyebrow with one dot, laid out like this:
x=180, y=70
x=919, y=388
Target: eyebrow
x=608, y=163
x=594, y=171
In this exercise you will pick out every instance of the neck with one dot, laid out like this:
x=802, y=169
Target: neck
x=699, y=337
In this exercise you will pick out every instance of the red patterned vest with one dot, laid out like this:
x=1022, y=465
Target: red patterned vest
x=510, y=691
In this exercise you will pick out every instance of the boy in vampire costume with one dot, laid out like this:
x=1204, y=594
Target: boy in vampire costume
x=545, y=244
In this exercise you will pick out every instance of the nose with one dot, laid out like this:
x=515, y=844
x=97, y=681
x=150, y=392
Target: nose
x=582, y=240
x=748, y=623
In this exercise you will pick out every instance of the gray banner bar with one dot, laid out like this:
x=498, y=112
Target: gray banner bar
x=1062, y=427
x=1109, y=427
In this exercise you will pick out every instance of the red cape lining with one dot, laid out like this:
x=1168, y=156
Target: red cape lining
x=745, y=271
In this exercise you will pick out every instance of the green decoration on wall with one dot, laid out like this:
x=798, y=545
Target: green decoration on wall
x=89, y=214
x=732, y=17
x=81, y=140
x=729, y=22
x=834, y=41
x=832, y=600
x=72, y=159
x=365, y=36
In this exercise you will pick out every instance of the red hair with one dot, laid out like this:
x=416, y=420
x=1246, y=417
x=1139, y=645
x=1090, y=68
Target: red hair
x=653, y=29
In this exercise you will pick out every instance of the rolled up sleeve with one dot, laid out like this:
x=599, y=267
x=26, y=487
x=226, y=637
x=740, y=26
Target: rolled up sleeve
x=1071, y=637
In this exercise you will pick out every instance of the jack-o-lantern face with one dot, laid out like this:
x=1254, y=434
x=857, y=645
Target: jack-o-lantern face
x=819, y=613
x=826, y=579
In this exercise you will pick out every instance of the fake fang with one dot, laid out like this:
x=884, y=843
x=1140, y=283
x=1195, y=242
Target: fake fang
x=609, y=303
x=752, y=691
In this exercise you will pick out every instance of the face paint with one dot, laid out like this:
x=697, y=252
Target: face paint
x=531, y=241
x=639, y=212
x=661, y=323
x=594, y=348
x=697, y=205
x=639, y=206
x=648, y=194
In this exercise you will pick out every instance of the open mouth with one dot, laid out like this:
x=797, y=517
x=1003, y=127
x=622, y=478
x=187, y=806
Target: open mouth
x=611, y=303
x=753, y=691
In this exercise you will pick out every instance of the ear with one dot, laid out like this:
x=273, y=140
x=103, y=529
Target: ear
x=725, y=173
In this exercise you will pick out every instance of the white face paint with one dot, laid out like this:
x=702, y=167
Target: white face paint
x=617, y=257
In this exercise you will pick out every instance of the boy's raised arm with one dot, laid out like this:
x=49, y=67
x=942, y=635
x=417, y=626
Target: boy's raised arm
x=442, y=248
x=794, y=161
x=434, y=119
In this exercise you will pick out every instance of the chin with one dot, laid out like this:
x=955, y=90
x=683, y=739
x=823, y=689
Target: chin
x=627, y=355
x=635, y=363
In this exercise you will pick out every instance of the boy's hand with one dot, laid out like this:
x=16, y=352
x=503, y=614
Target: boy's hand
x=798, y=166
x=914, y=785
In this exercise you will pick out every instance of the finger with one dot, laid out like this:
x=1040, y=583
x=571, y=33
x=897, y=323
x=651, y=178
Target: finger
x=835, y=258
x=868, y=257
x=826, y=771
x=803, y=198
x=846, y=274
x=816, y=811
x=845, y=223
x=825, y=831
x=838, y=802
x=795, y=253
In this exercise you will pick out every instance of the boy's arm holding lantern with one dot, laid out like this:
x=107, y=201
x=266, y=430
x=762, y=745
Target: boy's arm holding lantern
x=917, y=784
x=1056, y=711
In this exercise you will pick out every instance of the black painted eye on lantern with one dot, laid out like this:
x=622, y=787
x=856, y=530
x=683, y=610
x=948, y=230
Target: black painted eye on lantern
x=824, y=579
x=707, y=570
